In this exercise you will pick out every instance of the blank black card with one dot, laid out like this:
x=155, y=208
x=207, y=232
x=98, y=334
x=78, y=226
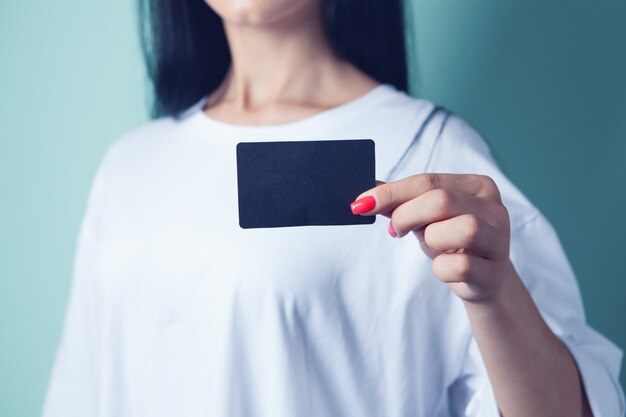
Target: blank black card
x=303, y=183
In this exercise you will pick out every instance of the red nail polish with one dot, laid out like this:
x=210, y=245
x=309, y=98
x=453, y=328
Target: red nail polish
x=391, y=230
x=363, y=205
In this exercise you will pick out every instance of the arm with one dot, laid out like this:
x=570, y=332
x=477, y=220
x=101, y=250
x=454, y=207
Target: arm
x=72, y=386
x=463, y=225
x=531, y=370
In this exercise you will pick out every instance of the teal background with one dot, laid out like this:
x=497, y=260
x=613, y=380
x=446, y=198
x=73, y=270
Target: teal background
x=544, y=81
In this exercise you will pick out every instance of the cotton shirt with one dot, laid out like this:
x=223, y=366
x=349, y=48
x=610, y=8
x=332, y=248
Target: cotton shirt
x=176, y=311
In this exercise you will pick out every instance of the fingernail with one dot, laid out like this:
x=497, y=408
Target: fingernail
x=391, y=231
x=363, y=205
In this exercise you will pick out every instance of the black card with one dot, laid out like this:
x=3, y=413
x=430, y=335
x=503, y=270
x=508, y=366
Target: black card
x=303, y=183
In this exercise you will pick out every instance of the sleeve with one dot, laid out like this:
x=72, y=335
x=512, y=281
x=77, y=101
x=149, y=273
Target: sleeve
x=539, y=258
x=72, y=386
x=471, y=394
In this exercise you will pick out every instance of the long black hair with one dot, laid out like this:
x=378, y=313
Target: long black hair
x=187, y=55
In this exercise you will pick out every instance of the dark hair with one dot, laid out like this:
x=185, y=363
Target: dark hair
x=187, y=56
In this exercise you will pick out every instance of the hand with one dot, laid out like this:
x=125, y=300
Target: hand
x=460, y=222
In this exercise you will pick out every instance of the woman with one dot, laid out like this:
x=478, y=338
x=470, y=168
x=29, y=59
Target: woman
x=462, y=303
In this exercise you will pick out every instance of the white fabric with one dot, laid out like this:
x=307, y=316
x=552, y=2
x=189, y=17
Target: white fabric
x=177, y=311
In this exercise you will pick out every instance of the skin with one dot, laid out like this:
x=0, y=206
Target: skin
x=283, y=70
x=463, y=226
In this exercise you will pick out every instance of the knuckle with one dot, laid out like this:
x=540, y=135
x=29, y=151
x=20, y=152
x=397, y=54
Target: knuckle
x=439, y=267
x=505, y=216
x=505, y=211
x=386, y=194
x=475, y=180
x=430, y=181
x=487, y=181
x=462, y=266
x=502, y=213
x=489, y=186
x=471, y=227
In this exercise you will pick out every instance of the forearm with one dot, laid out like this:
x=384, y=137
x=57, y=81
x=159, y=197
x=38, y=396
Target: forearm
x=531, y=370
x=463, y=225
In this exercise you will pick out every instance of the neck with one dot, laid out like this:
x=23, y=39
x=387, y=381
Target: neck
x=287, y=61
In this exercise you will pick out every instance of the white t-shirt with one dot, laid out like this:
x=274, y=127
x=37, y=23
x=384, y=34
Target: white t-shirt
x=177, y=311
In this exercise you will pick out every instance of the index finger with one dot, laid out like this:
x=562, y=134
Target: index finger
x=383, y=198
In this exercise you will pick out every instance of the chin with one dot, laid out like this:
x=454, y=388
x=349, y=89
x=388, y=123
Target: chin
x=260, y=12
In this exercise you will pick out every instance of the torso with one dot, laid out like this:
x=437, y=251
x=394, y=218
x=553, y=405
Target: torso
x=201, y=317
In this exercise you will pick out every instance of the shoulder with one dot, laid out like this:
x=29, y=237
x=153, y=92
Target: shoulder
x=392, y=104
x=457, y=146
x=136, y=160
x=144, y=139
x=435, y=139
x=145, y=150
x=440, y=139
